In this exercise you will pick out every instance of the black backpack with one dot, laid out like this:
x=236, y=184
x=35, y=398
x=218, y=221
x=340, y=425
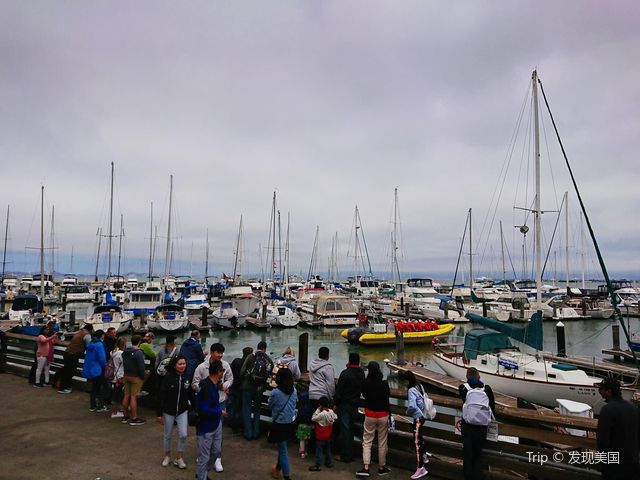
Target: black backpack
x=260, y=370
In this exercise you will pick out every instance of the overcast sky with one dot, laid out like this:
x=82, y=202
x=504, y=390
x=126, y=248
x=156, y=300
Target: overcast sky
x=329, y=103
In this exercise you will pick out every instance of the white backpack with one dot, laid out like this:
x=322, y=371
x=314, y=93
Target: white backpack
x=476, y=409
x=429, y=411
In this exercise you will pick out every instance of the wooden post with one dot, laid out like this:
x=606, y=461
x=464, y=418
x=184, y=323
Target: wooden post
x=615, y=332
x=400, y=348
x=3, y=300
x=484, y=309
x=402, y=304
x=264, y=312
x=406, y=310
x=446, y=310
x=584, y=308
x=72, y=321
x=522, y=311
x=303, y=351
x=143, y=318
x=3, y=352
x=315, y=313
x=203, y=317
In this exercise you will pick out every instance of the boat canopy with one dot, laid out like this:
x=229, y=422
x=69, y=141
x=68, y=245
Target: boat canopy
x=107, y=309
x=530, y=334
x=479, y=341
x=26, y=302
x=169, y=307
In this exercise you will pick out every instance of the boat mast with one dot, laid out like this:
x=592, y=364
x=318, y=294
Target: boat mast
x=537, y=212
x=395, y=267
x=273, y=240
x=314, y=255
x=236, y=261
x=285, y=278
x=42, y=243
x=566, y=236
x=110, y=228
x=280, y=248
x=206, y=261
x=364, y=243
x=151, y=244
x=582, y=249
x=4, y=254
x=71, y=263
x=168, y=252
x=504, y=269
x=470, y=255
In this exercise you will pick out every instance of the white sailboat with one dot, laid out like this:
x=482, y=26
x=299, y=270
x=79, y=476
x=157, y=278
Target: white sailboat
x=504, y=367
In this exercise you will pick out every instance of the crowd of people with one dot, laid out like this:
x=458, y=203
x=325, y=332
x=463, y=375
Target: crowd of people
x=191, y=387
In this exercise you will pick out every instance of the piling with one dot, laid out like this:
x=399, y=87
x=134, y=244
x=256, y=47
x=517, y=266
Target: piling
x=484, y=309
x=264, y=312
x=303, y=351
x=584, y=308
x=402, y=304
x=446, y=310
x=143, y=318
x=203, y=317
x=615, y=333
x=72, y=321
x=522, y=312
x=400, y=348
x=406, y=310
x=560, y=340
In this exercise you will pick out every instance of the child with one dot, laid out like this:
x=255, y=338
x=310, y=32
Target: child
x=323, y=419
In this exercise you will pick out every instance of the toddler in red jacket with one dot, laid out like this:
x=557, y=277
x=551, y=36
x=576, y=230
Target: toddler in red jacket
x=323, y=419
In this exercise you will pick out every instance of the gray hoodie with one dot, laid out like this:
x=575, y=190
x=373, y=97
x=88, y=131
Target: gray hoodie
x=322, y=380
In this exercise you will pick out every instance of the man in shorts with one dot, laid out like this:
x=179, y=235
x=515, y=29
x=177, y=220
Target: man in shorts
x=133, y=361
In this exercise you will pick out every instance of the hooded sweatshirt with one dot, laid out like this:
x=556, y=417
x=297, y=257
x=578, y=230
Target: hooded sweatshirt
x=323, y=423
x=95, y=359
x=322, y=380
x=133, y=362
x=292, y=364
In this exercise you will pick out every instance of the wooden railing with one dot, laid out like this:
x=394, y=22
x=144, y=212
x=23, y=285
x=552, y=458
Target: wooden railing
x=559, y=455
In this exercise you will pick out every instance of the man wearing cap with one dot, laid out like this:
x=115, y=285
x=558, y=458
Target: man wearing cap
x=618, y=433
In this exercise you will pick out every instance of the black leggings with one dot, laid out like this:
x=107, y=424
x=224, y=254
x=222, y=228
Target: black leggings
x=418, y=441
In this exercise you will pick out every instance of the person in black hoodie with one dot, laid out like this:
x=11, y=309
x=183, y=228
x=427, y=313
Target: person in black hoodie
x=618, y=432
x=173, y=405
x=347, y=399
x=376, y=395
x=133, y=363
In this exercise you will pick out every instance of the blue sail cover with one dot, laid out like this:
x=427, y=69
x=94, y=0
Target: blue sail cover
x=109, y=299
x=530, y=333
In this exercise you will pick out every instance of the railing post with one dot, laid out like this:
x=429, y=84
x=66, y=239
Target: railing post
x=400, y=348
x=203, y=317
x=615, y=332
x=72, y=321
x=3, y=352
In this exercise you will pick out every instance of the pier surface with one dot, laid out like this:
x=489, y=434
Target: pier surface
x=50, y=436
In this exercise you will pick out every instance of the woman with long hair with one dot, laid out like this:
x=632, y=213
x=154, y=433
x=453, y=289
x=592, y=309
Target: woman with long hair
x=173, y=405
x=282, y=401
x=415, y=408
x=376, y=395
x=44, y=354
x=117, y=382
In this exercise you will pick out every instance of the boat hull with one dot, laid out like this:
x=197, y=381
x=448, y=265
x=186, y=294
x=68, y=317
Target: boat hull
x=410, y=338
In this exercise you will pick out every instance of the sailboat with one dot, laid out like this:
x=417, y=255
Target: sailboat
x=505, y=368
x=110, y=313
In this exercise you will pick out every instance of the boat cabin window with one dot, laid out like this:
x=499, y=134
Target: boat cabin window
x=530, y=372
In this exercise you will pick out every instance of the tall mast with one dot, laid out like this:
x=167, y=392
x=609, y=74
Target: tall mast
x=206, y=260
x=504, y=269
x=314, y=255
x=151, y=244
x=71, y=263
x=566, y=235
x=537, y=212
x=168, y=252
x=582, y=249
x=395, y=268
x=110, y=228
x=42, y=243
x=273, y=240
x=236, y=262
x=191, y=261
x=4, y=254
x=285, y=278
x=280, y=248
x=470, y=254
x=120, y=243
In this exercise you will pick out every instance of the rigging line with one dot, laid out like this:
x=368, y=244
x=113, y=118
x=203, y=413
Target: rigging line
x=464, y=234
x=603, y=267
x=546, y=143
x=503, y=175
x=555, y=228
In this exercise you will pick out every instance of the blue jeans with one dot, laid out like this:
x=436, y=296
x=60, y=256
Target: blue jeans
x=323, y=447
x=181, y=421
x=283, y=458
x=251, y=402
x=347, y=414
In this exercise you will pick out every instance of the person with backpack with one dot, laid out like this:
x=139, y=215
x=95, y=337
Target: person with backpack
x=282, y=403
x=477, y=413
x=288, y=360
x=134, y=373
x=95, y=361
x=254, y=373
x=192, y=351
x=416, y=407
x=173, y=404
x=117, y=380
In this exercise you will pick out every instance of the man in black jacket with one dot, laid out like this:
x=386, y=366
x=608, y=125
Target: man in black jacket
x=618, y=433
x=347, y=398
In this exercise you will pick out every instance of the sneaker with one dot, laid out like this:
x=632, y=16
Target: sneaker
x=141, y=421
x=92, y=409
x=383, y=471
x=166, y=461
x=101, y=409
x=421, y=472
x=178, y=462
x=38, y=385
x=218, y=465
x=362, y=473
x=143, y=393
x=124, y=420
x=117, y=415
x=275, y=471
x=64, y=391
x=425, y=458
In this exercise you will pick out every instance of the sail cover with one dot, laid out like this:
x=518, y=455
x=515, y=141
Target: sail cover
x=530, y=333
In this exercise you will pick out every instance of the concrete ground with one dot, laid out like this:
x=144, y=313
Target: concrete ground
x=44, y=435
